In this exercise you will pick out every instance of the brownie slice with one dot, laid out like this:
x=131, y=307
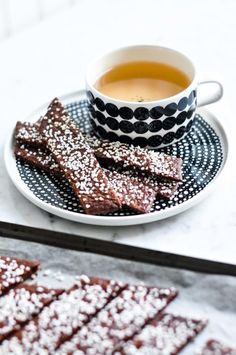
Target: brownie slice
x=166, y=334
x=132, y=193
x=145, y=161
x=63, y=317
x=215, y=347
x=163, y=188
x=37, y=157
x=13, y=271
x=28, y=133
x=77, y=162
x=119, y=321
x=21, y=303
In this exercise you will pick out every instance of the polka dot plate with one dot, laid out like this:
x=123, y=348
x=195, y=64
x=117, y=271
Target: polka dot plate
x=203, y=150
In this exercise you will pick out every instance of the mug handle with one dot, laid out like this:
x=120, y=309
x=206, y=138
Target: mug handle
x=213, y=97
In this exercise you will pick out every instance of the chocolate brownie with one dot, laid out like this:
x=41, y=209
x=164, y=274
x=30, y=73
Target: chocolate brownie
x=132, y=193
x=77, y=162
x=163, y=188
x=63, y=317
x=215, y=347
x=13, y=271
x=21, y=303
x=166, y=334
x=145, y=161
x=28, y=133
x=37, y=157
x=119, y=321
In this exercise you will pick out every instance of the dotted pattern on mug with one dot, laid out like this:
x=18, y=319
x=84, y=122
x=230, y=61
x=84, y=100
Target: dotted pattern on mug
x=200, y=150
x=147, y=124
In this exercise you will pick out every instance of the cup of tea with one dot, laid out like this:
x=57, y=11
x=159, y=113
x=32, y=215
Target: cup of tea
x=145, y=95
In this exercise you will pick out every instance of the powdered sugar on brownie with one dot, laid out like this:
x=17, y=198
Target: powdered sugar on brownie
x=77, y=162
x=20, y=304
x=132, y=193
x=57, y=322
x=38, y=157
x=27, y=132
x=119, y=320
x=166, y=334
x=153, y=163
x=163, y=188
x=13, y=271
x=215, y=347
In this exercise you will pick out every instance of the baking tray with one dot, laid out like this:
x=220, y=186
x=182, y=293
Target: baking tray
x=207, y=289
x=80, y=243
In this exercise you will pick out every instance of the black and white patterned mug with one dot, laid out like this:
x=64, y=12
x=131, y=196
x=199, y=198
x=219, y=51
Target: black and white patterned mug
x=151, y=124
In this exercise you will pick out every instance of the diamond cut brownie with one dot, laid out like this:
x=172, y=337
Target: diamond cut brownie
x=63, y=317
x=215, y=347
x=13, y=271
x=119, y=321
x=166, y=334
x=20, y=304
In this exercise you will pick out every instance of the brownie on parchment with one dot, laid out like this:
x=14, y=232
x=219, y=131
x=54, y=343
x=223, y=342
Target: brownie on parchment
x=215, y=347
x=14, y=271
x=63, y=317
x=166, y=334
x=119, y=321
x=20, y=304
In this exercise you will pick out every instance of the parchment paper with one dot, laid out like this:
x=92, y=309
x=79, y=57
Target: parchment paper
x=203, y=296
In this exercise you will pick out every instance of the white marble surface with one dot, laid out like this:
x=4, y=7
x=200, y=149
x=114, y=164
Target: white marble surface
x=50, y=59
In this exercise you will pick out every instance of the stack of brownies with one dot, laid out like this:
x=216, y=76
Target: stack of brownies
x=94, y=316
x=105, y=176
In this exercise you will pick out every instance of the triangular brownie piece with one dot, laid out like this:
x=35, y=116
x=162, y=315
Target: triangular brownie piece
x=21, y=303
x=13, y=271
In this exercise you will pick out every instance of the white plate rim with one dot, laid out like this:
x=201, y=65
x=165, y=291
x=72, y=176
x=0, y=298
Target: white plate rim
x=10, y=164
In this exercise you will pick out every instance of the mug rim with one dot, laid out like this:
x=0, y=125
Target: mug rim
x=91, y=86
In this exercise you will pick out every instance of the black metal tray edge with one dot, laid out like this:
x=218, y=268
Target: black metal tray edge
x=92, y=245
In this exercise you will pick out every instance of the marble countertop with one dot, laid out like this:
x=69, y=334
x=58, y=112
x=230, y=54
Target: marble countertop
x=50, y=59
